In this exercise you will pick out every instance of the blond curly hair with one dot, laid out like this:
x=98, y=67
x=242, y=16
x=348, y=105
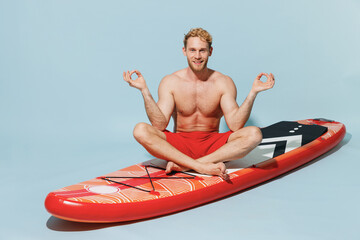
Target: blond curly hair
x=198, y=32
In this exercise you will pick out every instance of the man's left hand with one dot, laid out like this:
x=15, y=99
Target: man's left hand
x=259, y=86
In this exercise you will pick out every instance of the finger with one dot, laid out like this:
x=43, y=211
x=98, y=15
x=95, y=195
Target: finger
x=132, y=72
x=138, y=73
x=273, y=80
x=273, y=77
x=128, y=77
x=259, y=76
x=125, y=77
x=269, y=78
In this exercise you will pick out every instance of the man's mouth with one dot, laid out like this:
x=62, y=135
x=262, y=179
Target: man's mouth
x=198, y=62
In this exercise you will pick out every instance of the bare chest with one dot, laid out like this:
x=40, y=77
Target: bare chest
x=198, y=98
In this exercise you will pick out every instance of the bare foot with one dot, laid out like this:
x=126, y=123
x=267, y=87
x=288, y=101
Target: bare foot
x=216, y=169
x=174, y=167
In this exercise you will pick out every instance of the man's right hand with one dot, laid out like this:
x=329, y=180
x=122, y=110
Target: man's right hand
x=138, y=83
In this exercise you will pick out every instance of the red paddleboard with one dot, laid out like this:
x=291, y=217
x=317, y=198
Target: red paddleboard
x=144, y=190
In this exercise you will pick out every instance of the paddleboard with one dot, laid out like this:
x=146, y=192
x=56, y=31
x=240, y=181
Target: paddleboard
x=144, y=190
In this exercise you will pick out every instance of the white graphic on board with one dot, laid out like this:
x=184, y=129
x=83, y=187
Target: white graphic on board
x=103, y=189
x=264, y=152
x=292, y=142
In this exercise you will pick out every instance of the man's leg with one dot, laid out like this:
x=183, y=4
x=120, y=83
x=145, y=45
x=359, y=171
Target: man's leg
x=239, y=144
x=154, y=141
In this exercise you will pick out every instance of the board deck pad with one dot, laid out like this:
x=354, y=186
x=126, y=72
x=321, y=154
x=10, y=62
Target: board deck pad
x=287, y=135
x=144, y=190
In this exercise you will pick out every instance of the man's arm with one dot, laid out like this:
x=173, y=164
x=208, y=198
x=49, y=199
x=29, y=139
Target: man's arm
x=158, y=114
x=236, y=116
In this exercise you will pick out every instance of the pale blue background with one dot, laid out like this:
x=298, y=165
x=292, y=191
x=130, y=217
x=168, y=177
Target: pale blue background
x=67, y=115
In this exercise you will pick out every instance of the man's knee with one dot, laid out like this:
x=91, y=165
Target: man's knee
x=141, y=132
x=251, y=135
x=255, y=135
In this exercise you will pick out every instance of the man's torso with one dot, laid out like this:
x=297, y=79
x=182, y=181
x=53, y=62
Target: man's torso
x=197, y=103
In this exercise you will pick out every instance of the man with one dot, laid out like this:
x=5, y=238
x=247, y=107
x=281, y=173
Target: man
x=197, y=97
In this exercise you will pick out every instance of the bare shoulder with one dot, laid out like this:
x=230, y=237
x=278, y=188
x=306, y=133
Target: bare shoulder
x=173, y=77
x=224, y=82
x=169, y=82
x=222, y=77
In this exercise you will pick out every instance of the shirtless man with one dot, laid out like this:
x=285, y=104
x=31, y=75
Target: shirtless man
x=197, y=97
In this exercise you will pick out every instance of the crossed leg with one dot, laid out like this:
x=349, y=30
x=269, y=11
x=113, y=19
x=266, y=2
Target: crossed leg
x=239, y=144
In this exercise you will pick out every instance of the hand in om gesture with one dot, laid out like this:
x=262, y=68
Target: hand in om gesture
x=259, y=86
x=138, y=83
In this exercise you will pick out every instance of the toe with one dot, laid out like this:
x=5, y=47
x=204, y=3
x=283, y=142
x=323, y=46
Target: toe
x=169, y=167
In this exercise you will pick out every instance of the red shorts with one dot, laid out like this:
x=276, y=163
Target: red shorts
x=197, y=144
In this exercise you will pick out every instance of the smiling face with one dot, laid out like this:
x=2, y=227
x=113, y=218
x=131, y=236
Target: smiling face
x=197, y=52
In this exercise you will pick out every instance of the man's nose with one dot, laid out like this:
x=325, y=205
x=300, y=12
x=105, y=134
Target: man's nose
x=197, y=54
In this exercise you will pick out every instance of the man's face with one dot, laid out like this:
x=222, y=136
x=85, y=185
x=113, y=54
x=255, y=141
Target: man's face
x=197, y=53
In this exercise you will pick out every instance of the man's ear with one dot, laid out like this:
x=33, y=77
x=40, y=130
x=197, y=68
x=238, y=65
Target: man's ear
x=184, y=51
x=210, y=51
